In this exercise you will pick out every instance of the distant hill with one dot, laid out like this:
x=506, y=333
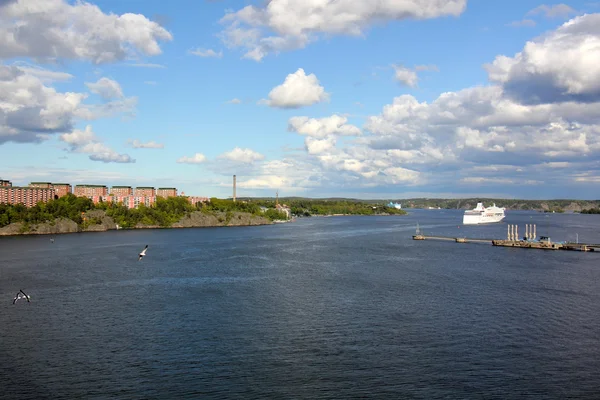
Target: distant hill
x=558, y=205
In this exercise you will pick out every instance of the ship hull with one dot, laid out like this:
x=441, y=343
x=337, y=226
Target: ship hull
x=480, y=220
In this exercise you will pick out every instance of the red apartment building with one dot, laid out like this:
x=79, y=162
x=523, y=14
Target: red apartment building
x=121, y=191
x=90, y=190
x=28, y=196
x=166, y=192
x=41, y=185
x=144, y=191
x=62, y=189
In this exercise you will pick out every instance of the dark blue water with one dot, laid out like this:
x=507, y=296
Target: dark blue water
x=342, y=307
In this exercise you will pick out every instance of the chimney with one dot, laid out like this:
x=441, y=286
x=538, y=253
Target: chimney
x=234, y=188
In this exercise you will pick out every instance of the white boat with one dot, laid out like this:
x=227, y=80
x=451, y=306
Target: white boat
x=483, y=215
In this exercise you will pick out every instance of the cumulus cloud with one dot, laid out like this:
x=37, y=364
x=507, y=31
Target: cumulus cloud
x=298, y=90
x=481, y=136
x=319, y=146
x=559, y=66
x=197, y=158
x=53, y=29
x=322, y=127
x=406, y=76
x=242, y=155
x=106, y=88
x=409, y=76
x=136, y=144
x=282, y=25
x=29, y=109
x=85, y=141
x=206, y=53
x=234, y=101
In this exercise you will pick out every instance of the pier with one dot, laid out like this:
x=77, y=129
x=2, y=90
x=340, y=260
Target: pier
x=529, y=241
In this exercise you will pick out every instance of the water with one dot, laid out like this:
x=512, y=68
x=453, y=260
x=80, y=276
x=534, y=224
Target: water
x=329, y=308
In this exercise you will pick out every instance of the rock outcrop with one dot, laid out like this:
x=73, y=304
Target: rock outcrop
x=195, y=219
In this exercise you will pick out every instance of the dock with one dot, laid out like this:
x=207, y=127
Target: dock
x=529, y=241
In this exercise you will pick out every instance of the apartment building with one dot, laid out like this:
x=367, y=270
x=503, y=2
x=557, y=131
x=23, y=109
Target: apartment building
x=197, y=199
x=41, y=185
x=166, y=192
x=62, y=189
x=90, y=190
x=144, y=191
x=28, y=196
x=121, y=191
x=133, y=201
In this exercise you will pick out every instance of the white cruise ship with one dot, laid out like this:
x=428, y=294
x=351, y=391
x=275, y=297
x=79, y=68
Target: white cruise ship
x=483, y=215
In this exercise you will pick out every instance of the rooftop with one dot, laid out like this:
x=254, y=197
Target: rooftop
x=100, y=186
x=24, y=187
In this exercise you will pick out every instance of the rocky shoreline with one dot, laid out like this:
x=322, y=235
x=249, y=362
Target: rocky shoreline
x=195, y=219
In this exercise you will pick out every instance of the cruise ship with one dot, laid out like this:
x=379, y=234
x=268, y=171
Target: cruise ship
x=483, y=215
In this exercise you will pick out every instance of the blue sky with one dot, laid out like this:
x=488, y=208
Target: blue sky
x=436, y=98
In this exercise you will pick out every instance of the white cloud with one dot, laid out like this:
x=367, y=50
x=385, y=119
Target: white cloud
x=136, y=144
x=43, y=74
x=559, y=66
x=53, y=29
x=319, y=146
x=291, y=24
x=29, y=109
x=234, y=101
x=86, y=142
x=197, y=158
x=322, y=127
x=298, y=90
x=242, y=155
x=554, y=11
x=106, y=88
x=406, y=76
x=409, y=76
x=206, y=53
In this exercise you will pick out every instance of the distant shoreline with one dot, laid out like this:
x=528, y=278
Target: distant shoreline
x=64, y=226
x=194, y=220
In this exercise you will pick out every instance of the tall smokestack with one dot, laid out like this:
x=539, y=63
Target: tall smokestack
x=234, y=188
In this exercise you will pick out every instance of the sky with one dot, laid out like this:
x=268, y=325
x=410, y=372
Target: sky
x=380, y=99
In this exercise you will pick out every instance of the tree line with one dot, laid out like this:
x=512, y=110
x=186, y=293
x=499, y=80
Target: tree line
x=163, y=213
